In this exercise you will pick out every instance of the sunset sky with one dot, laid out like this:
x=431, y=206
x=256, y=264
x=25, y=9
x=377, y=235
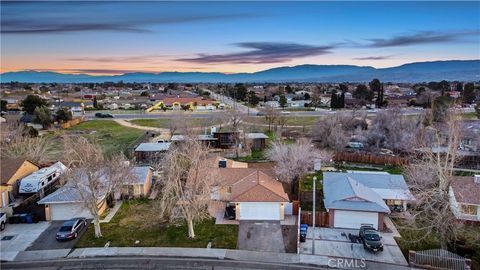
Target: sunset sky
x=231, y=37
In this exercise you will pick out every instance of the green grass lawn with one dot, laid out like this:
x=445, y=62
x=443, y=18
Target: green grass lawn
x=307, y=183
x=388, y=168
x=469, y=116
x=130, y=225
x=111, y=136
x=164, y=122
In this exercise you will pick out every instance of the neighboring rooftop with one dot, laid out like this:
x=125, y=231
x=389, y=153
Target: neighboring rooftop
x=466, y=190
x=255, y=136
x=140, y=174
x=153, y=147
x=9, y=167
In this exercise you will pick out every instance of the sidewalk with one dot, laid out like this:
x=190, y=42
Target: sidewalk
x=205, y=253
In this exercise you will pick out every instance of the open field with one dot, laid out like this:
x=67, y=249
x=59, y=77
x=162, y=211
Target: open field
x=135, y=221
x=165, y=122
x=111, y=136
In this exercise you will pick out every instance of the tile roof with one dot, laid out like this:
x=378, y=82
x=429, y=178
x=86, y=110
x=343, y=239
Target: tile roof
x=258, y=187
x=466, y=190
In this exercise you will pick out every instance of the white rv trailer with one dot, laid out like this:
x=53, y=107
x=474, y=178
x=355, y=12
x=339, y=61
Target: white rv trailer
x=41, y=178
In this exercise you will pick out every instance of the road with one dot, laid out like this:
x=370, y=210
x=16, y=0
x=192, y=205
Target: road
x=232, y=103
x=107, y=263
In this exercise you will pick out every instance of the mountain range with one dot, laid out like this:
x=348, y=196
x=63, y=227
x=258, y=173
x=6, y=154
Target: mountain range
x=460, y=70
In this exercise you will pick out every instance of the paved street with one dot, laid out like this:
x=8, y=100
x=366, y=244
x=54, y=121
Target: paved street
x=149, y=263
x=47, y=240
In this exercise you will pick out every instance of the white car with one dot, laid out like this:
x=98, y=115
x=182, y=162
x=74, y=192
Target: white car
x=284, y=112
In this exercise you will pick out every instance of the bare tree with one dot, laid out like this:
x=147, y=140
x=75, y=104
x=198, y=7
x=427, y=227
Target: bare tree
x=271, y=115
x=294, y=161
x=282, y=122
x=175, y=123
x=94, y=176
x=235, y=119
x=188, y=179
x=430, y=178
x=16, y=142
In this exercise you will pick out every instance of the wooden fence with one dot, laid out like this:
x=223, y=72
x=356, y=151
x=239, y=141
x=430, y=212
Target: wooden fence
x=72, y=122
x=360, y=157
x=321, y=218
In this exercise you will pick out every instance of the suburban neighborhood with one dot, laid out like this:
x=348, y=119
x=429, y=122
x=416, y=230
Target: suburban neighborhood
x=240, y=135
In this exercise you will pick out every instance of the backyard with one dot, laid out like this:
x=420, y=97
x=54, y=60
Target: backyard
x=135, y=222
x=112, y=136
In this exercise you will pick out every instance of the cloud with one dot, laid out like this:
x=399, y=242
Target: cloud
x=64, y=17
x=261, y=53
x=421, y=37
x=117, y=59
x=373, y=57
x=105, y=71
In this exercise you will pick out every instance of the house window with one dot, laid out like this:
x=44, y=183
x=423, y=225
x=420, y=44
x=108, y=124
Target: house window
x=393, y=202
x=468, y=209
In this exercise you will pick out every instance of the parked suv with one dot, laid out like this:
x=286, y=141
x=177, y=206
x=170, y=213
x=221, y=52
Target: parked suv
x=103, y=115
x=371, y=238
x=71, y=228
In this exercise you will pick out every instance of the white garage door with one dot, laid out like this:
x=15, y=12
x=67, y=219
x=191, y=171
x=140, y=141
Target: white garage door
x=259, y=211
x=67, y=211
x=354, y=219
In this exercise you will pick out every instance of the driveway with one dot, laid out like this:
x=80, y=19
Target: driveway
x=335, y=243
x=47, y=240
x=20, y=236
x=260, y=236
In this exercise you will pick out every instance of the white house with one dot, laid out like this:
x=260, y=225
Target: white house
x=465, y=197
x=362, y=197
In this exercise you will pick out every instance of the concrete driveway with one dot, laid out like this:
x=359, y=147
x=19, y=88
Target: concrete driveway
x=260, y=236
x=335, y=243
x=20, y=236
x=47, y=240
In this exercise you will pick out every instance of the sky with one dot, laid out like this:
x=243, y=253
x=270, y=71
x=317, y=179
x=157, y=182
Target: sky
x=231, y=37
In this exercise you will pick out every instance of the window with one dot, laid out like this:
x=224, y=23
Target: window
x=393, y=202
x=468, y=209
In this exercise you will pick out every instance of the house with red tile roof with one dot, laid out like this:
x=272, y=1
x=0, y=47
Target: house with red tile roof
x=249, y=193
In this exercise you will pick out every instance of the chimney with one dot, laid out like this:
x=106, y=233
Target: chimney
x=476, y=178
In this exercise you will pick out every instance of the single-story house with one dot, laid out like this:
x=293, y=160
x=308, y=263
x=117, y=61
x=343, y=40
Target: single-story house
x=12, y=170
x=149, y=152
x=257, y=141
x=464, y=197
x=207, y=140
x=362, y=197
x=251, y=193
x=226, y=139
x=76, y=108
x=177, y=103
x=141, y=183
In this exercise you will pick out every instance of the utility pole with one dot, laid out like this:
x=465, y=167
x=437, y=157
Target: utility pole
x=313, y=215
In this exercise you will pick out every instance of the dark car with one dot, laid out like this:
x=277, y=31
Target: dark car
x=71, y=228
x=103, y=115
x=371, y=238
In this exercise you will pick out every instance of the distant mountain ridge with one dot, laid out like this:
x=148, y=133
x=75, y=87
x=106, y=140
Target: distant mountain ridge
x=461, y=70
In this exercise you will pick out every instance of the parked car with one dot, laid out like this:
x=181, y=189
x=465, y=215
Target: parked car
x=103, y=115
x=71, y=228
x=3, y=221
x=371, y=238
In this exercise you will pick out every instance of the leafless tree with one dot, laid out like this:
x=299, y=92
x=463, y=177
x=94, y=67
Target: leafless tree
x=186, y=189
x=430, y=177
x=282, y=122
x=17, y=143
x=294, y=161
x=175, y=123
x=235, y=119
x=391, y=129
x=94, y=176
x=271, y=115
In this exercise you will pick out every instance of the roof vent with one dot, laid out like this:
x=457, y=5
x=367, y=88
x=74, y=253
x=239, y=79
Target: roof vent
x=222, y=163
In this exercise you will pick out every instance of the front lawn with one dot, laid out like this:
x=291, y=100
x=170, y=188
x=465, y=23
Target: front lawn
x=112, y=136
x=135, y=221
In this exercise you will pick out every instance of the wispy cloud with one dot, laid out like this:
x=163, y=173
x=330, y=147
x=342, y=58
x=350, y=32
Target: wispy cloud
x=261, y=53
x=421, y=37
x=118, y=59
x=373, y=57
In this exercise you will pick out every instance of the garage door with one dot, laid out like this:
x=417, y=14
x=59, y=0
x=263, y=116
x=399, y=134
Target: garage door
x=354, y=219
x=68, y=211
x=259, y=211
